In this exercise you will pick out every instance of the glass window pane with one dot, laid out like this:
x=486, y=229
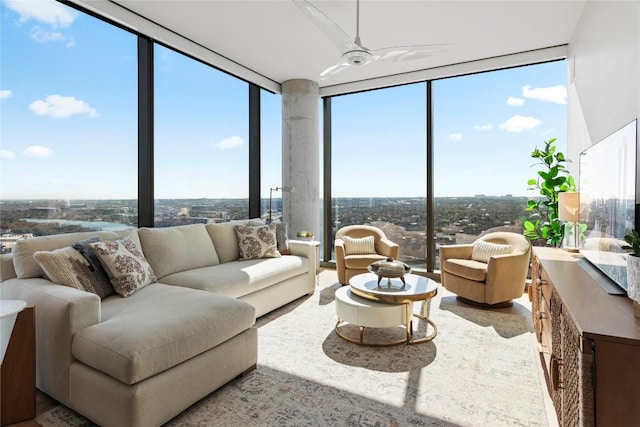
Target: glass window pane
x=201, y=142
x=378, y=165
x=69, y=122
x=271, y=154
x=485, y=128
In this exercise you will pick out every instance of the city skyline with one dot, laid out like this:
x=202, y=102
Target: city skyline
x=74, y=128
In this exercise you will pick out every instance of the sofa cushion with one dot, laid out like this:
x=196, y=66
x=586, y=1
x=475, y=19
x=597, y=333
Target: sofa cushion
x=225, y=239
x=482, y=250
x=27, y=267
x=157, y=328
x=467, y=268
x=125, y=264
x=179, y=248
x=259, y=241
x=66, y=266
x=239, y=278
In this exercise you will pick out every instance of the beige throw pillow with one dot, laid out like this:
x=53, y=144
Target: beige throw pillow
x=359, y=246
x=482, y=250
x=257, y=241
x=125, y=264
x=66, y=266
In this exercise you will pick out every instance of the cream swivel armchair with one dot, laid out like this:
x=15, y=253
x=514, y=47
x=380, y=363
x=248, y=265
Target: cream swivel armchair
x=491, y=271
x=357, y=246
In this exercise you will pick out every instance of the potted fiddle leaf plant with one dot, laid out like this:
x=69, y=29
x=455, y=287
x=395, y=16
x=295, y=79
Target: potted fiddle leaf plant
x=633, y=269
x=543, y=225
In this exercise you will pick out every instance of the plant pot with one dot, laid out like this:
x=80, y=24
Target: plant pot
x=633, y=277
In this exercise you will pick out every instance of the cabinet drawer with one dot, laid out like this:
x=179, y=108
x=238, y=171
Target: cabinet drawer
x=545, y=286
x=545, y=320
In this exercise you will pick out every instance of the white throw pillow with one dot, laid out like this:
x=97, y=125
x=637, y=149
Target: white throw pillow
x=359, y=246
x=482, y=250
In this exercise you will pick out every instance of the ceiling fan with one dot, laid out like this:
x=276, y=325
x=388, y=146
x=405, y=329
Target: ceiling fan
x=352, y=52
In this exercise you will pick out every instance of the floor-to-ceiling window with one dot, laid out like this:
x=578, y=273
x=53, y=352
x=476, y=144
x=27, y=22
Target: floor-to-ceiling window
x=485, y=127
x=201, y=148
x=271, y=155
x=378, y=165
x=69, y=122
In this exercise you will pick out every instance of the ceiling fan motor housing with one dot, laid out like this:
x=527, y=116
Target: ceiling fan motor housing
x=357, y=57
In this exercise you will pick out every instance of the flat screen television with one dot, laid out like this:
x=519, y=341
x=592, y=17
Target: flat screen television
x=608, y=201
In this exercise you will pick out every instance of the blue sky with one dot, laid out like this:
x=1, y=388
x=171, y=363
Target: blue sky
x=68, y=94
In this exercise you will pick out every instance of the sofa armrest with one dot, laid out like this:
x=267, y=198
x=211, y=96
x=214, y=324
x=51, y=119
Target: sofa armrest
x=387, y=248
x=307, y=249
x=7, y=271
x=61, y=311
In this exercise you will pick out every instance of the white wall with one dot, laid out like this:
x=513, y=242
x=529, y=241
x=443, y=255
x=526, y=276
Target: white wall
x=604, y=74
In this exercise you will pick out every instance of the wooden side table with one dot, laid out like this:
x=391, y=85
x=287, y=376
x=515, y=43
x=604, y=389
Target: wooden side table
x=18, y=371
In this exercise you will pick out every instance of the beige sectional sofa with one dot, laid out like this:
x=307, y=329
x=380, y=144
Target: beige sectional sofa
x=141, y=360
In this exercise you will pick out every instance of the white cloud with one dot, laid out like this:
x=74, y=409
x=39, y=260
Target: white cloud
x=60, y=107
x=555, y=94
x=6, y=154
x=37, y=151
x=455, y=137
x=519, y=123
x=43, y=36
x=49, y=12
x=4, y=94
x=232, y=142
x=486, y=127
x=515, y=102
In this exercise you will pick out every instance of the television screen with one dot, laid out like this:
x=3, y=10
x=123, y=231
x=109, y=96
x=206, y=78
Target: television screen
x=608, y=201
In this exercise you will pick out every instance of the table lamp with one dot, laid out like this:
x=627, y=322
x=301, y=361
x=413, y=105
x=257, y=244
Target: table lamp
x=569, y=211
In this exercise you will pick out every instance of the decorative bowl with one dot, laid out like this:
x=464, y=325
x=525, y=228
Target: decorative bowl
x=390, y=269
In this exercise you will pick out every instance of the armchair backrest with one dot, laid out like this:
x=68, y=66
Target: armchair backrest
x=359, y=231
x=519, y=243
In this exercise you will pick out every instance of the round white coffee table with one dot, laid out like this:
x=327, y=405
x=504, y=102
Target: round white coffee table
x=365, y=313
x=415, y=288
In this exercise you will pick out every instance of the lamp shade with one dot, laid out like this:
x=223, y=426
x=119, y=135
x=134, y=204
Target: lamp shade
x=569, y=206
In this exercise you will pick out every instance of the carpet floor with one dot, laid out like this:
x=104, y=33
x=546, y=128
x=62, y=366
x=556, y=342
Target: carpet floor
x=480, y=370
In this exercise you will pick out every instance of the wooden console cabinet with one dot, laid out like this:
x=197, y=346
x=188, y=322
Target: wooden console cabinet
x=589, y=343
x=18, y=371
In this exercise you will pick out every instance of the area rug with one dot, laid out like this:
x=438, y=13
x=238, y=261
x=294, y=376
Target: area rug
x=480, y=370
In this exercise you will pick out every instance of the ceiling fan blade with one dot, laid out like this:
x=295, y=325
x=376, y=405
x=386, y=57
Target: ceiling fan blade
x=326, y=25
x=334, y=69
x=407, y=53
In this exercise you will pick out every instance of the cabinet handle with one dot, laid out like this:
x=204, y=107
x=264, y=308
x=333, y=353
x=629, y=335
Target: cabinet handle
x=541, y=282
x=541, y=315
x=555, y=372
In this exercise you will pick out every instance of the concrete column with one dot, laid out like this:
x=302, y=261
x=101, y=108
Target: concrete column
x=301, y=156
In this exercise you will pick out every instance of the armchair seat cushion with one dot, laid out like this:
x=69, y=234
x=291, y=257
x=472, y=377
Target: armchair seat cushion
x=361, y=262
x=467, y=268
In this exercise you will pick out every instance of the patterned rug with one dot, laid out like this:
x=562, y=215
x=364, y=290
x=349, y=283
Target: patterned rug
x=480, y=370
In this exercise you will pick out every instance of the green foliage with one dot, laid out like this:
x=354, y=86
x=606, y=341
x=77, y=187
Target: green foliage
x=553, y=178
x=633, y=239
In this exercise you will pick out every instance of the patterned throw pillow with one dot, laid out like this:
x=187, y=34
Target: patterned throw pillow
x=99, y=275
x=125, y=264
x=282, y=236
x=482, y=250
x=361, y=246
x=66, y=266
x=257, y=241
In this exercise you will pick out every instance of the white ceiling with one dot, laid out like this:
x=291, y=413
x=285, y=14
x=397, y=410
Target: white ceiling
x=271, y=41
